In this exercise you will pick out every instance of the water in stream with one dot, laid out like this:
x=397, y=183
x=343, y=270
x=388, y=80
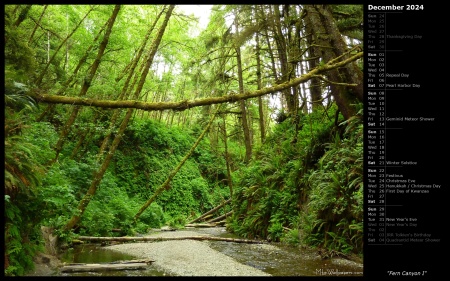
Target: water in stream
x=275, y=258
x=94, y=253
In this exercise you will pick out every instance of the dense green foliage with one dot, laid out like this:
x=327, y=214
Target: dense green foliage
x=147, y=154
x=150, y=151
x=312, y=188
x=23, y=173
x=334, y=215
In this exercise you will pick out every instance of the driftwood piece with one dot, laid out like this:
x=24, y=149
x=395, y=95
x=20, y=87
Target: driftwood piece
x=207, y=217
x=156, y=239
x=221, y=223
x=220, y=217
x=211, y=211
x=201, y=225
x=117, y=265
x=76, y=241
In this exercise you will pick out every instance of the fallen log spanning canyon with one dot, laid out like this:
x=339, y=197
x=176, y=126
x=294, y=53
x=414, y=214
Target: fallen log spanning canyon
x=156, y=239
x=187, y=104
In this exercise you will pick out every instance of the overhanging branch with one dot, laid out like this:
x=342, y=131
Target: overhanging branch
x=183, y=105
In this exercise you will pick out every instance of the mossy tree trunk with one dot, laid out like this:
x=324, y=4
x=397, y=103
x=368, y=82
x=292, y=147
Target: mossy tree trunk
x=186, y=104
x=44, y=71
x=86, y=83
x=99, y=174
x=259, y=82
x=227, y=156
x=242, y=105
x=166, y=184
x=327, y=35
x=131, y=72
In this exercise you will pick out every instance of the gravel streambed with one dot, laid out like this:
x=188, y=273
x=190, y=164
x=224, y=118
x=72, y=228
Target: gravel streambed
x=186, y=257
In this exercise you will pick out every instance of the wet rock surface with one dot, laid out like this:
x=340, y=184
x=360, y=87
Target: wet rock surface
x=45, y=265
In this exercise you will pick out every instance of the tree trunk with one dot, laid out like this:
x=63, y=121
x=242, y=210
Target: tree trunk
x=211, y=211
x=117, y=265
x=183, y=105
x=172, y=174
x=244, y=121
x=86, y=83
x=126, y=86
x=315, y=88
x=327, y=35
x=201, y=225
x=280, y=40
x=69, y=80
x=219, y=218
x=99, y=174
x=44, y=71
x=23, y=15
x=262, y=129
x=227, y=157
x=37, y=24
x=79, y=143
x=158, y=239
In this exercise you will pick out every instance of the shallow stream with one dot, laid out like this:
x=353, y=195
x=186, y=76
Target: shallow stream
x=281, y=260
